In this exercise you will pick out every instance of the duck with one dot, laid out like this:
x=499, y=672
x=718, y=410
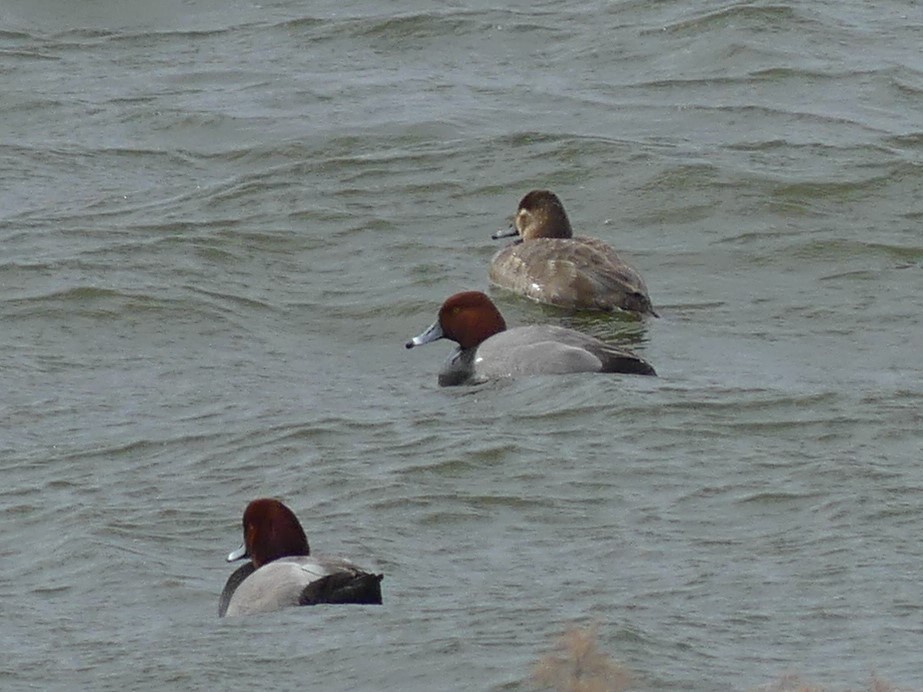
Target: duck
x=281, y=571
x=487, y=350
x=548, y=264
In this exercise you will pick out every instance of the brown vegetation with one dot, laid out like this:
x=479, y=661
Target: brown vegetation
x=792, y=683
x=577, y=665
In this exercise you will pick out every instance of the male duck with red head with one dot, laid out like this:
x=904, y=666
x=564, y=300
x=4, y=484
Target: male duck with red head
x=282, y=572
x=488, y=350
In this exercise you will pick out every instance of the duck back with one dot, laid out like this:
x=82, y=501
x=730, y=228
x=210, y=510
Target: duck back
x=578, y=273
x=552, y=350
x=293, y=581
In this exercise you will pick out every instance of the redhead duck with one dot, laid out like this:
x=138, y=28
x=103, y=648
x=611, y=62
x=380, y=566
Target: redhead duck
x=549, y=265
x=488, y=350
x=281, y=571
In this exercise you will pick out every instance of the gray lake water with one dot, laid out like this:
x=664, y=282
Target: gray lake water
x=220, y=221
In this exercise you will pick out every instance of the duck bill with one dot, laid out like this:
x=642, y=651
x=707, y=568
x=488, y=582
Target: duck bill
x=238, y=554
x=505, y=233
x=434, y=333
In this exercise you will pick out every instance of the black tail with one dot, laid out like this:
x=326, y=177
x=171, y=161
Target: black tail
x=618, y=360
x=343, y=587
x=632, y=365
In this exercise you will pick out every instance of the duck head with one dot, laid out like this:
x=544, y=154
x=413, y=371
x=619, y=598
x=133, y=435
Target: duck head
x=540, y=215
x=271, y=531
x=467, y=318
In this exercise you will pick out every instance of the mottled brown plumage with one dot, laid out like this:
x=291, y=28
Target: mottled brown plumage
x=549, y=265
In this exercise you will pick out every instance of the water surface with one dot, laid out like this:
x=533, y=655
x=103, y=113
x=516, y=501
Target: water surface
x=220, y=223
